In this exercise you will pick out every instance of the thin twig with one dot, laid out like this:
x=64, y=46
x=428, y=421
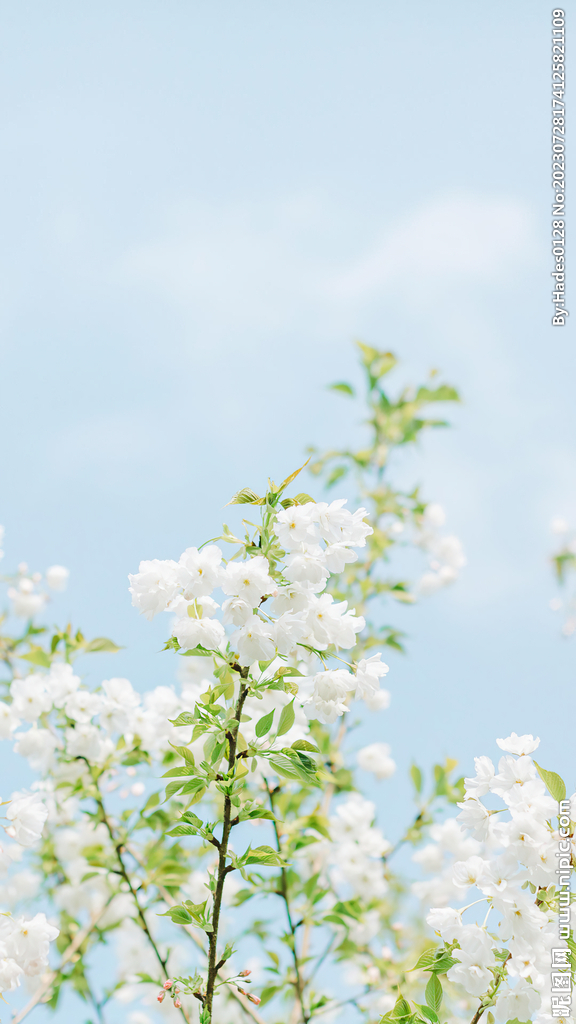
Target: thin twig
x=246, y=1005
x=77, y=941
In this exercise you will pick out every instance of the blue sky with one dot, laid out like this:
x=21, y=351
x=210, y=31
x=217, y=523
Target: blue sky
x=203, y=205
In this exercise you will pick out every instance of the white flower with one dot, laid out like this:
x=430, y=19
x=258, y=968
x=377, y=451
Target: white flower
x=330, y=691
x=338, y=525
x=296, y=525
x=307, y=566
x=518, y=1003
x=448, y=550
x=249, y=580
x=481, y=783
x=82, y=705
x=468, y=872
x=514, y=744
x=475, y=817
x=122, y=692
x=376, y=758
x=332, y=624
x=120, y=700
x=200, y=571
x=378, y=701
x=30, y=697
x=29, y=943
x=191, y=633
x=337, y=556
x=289, y=629
x=10, y=973
x=368, y=673
x=85, y=740
x=154, y=586
x=61, y=683
x=475, y=956
x=8, y=721
x=522, y=963
x=237, y=611
x=254, y=641
x=434, y=515
x=292, y=598
x=446, y=921
x=57, y=577
x=27, y=813
x=25, y=603
x=38, y=745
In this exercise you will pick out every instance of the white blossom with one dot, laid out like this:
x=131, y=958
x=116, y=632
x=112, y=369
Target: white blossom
x=27, y=813
x=514, y=744
x=191, y=633
x=330, y=690
x=200, y=571
x=57, y=577
x=249, y=580
x=154, y=586
x=376, y=758
x=30, y=698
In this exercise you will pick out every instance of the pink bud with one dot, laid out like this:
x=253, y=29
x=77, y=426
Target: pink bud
x=177, y=1003
x=161, y=995
x=254, y=999
x=244, y=974
x=242, y=990
x=168, y=984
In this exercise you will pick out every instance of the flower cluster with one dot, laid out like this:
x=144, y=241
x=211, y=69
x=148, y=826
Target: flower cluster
x=24, y=943
x=445, y=551
x=27, y=596
x=511, y=864
x=357, y=847
x=311, y=541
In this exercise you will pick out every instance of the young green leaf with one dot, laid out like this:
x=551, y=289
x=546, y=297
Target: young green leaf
x=264, y=724
x=286, y=718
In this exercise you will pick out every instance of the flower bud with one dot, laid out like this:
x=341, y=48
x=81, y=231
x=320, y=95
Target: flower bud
x=168, y=984
x=254, y=999
x=244, y=974
x=177, y=1003
x=161, y=995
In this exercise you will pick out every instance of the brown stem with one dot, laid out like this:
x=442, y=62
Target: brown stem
x=223, y=868
x=298, y=984
x=171, y=902
x=123, y=871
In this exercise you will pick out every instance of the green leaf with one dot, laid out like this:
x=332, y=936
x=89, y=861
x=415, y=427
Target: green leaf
x=263, y=855
x=245, y=497
x=554, y=784
x=401, y=1008
x=444, y=393
x=305, y=745
x=286, y=718
x=416, y=776
x=428, y=1013
x=442, y=965
x=292, y=477
x=425, y=960
x=179, y=915
x=303, y=499
x=37, y=656
x=184, y=718
x=433, y=993
x=101, y=644
x=345, y=389
x=264, y=724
